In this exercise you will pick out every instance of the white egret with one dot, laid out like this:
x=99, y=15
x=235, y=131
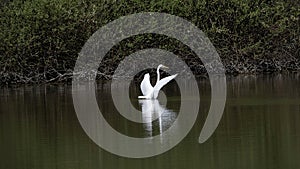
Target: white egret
x=150, y=92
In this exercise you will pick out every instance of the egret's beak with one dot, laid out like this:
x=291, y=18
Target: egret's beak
x=164, y=67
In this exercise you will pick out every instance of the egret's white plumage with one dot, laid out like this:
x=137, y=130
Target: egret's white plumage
x=146, y=85
x=150, y=92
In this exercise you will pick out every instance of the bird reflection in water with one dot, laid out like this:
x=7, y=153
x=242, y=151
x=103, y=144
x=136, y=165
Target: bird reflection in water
x=156, y=118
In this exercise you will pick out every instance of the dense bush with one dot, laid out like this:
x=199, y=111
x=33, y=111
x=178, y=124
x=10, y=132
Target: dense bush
x=40, y=39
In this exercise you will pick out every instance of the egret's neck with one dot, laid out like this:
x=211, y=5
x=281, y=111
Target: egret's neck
x=158, y=75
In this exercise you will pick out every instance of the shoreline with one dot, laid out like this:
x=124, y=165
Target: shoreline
x=198, y=77
x=232, y=68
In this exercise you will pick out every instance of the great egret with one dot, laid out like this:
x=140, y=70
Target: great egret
x=150, y=92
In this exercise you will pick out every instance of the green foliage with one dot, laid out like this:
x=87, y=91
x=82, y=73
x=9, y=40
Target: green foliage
x=42, y=36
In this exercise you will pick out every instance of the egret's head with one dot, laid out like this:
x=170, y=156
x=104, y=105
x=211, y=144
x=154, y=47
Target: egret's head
x=162, y=66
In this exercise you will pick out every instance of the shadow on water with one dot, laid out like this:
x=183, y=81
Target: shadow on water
x=260, y=128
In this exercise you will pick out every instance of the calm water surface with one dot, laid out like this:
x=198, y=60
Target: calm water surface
x=260, y=128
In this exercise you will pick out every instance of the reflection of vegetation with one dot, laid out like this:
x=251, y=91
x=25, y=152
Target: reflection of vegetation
x=41, y=38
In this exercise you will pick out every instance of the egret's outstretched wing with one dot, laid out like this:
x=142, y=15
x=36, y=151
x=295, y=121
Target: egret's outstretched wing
x=161, y=84
x=146, y=86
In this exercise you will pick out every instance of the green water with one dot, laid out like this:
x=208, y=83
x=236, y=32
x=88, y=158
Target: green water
x=260, y=128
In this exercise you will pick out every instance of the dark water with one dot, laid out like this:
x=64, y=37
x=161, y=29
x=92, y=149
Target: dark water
x=260, y=129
